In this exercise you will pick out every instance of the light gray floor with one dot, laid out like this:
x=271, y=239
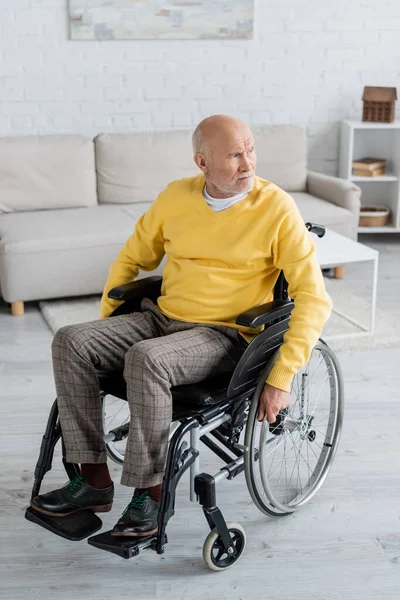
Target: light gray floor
x=344, y=545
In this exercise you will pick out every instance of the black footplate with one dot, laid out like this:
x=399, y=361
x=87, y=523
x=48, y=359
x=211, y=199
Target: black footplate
x=124, y=546
x=74, y=527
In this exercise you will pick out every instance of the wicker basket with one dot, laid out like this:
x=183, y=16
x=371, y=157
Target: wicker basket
x=374, y=216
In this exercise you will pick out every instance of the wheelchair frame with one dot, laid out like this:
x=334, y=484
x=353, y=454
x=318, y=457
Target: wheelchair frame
x=222, y=421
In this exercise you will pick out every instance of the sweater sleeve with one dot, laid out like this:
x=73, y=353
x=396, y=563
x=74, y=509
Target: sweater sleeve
x=294, y=253
x=143, y=250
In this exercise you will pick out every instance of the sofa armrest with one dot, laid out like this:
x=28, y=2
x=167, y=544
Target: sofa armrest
x=338, y=191
x=265, y=313
x=148, y=286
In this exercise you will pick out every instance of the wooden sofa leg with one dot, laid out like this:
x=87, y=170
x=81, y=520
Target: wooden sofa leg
x=339, y=272
x=17, y=309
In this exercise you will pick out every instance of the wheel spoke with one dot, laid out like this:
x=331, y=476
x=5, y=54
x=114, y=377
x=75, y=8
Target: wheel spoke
x=282, y=437
x=285, y=455
x=323, y=433
x=319, y=393
x=280, y=463
x=220, y=555
x=296, y=463
x=280, y=476
x=274, y=451
x=116, y=415
x=313, y=451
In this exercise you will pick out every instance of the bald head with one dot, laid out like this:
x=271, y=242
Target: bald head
x=217, y=127
x=224, y=150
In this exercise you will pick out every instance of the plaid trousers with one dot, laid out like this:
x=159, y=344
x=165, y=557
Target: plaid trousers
x=155, y=353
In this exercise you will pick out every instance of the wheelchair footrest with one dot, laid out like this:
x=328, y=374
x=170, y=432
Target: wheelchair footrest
x=74, y=527
x=124, y=546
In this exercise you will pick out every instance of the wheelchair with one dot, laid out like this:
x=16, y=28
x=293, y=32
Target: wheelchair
x=285, y=463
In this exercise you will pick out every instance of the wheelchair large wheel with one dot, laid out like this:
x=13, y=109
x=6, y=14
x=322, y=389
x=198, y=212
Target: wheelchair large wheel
x=115, y=413
x=287, y=462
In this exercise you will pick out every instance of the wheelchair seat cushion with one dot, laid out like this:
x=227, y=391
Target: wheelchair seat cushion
x=204, y=393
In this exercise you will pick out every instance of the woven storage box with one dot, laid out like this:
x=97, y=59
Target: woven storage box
x=374, y=216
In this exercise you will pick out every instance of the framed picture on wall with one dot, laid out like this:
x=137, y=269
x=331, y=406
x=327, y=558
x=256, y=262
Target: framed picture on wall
x=161, y=19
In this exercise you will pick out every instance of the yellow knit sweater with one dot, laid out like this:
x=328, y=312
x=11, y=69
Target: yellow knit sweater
x=220, y=264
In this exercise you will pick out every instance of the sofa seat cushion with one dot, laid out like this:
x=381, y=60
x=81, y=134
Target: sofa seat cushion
x=62, y=253
x=325, y=213
x=46, y=231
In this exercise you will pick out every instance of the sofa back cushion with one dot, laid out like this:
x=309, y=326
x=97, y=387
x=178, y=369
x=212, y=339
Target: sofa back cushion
x=46, y=172
x=135, y=167
x=282, y=155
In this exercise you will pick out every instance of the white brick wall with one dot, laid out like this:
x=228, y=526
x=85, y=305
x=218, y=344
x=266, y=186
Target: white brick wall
x=308, y=64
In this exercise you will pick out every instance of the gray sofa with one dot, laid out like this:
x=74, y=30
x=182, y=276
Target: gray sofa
x=68, y=204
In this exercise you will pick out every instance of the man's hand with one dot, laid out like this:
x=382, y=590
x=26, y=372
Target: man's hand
x=272, y=400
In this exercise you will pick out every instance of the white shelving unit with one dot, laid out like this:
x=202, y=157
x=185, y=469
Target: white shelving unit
x=380, y=140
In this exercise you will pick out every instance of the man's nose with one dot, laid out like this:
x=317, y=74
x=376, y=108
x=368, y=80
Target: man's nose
x=246, y=164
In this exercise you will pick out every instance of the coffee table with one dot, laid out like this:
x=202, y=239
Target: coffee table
x=334, y=250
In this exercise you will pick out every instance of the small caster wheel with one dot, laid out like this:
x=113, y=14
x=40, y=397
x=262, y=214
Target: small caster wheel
x=214, y=554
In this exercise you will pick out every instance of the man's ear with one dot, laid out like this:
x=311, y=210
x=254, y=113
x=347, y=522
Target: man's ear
x=200, y=161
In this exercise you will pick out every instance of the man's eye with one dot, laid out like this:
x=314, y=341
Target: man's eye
x=251, y=150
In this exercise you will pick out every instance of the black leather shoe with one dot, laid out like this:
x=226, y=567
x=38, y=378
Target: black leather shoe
x=139, y=517
x=76, y=495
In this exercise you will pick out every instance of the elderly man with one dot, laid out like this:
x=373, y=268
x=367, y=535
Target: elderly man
x=227, y=234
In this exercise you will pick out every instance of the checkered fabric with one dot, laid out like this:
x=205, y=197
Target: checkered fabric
x=155, y=353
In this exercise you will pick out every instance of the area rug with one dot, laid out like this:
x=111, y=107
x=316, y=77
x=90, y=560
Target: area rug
x=58, y=313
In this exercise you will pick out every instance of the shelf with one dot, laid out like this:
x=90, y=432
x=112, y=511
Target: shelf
x=365, y=125
x=382, y=229
x=358, y=138
x=378, y=178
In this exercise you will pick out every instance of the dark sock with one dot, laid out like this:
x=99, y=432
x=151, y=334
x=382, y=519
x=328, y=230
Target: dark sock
x=154, y=492
x=98, y=476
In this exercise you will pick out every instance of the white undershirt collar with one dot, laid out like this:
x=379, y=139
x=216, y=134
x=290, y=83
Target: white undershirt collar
x=218, y=204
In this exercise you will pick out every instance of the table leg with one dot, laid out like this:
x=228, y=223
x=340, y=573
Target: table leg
x=374, y=294
x=366, y=329
x=339, y=272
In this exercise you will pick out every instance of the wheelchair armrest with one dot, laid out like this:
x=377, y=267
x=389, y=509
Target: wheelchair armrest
x=265, y=313
x=137, y=289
